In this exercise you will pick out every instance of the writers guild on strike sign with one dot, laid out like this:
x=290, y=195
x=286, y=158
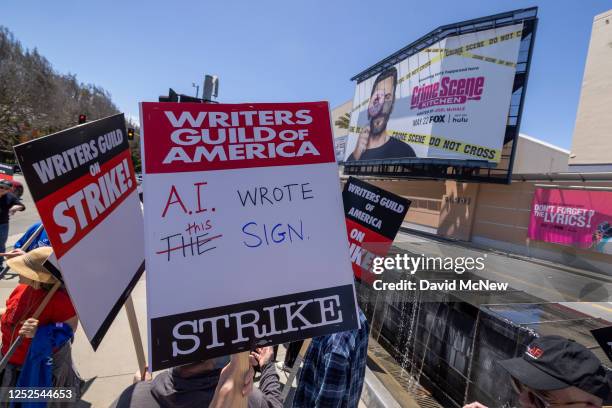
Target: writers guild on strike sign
x=94, y=200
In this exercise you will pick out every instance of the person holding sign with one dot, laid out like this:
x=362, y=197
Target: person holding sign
x=9, y=205
x=35, y=282
x=207, y=383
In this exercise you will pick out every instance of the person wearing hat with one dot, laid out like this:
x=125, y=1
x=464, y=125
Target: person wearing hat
x=9, y=205
x=557, y=372
x=34, y=283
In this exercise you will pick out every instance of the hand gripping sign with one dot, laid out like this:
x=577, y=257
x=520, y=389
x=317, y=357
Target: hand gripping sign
x=82, y=181
x=245, y=236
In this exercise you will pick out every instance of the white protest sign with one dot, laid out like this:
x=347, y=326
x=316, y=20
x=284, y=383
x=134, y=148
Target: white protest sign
x=245, y=235
x=84, y=187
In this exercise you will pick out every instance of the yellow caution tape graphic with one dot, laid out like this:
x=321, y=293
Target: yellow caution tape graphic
x=443, y=143
x=462, y=51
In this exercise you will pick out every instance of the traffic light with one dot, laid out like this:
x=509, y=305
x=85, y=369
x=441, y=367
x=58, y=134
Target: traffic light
x=130, y=134
x=82, y=118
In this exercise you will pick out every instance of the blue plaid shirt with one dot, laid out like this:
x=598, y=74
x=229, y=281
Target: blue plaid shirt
x=334, y=368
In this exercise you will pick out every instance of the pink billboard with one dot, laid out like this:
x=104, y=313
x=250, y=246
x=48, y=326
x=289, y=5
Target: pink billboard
x=580, y=218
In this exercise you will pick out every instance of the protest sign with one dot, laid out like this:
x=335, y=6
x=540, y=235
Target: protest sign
x=83, y=184
x=373, y=217
x=245, y=241
x=579, y=218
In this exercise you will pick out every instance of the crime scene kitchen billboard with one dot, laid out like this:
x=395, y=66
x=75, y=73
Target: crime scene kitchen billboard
x=449, y=101
x=245, y=235
x=83, y=183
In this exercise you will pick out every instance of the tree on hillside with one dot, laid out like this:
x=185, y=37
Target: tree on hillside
x=35, y=100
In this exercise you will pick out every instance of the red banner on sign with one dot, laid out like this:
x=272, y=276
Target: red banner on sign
x=200, y=137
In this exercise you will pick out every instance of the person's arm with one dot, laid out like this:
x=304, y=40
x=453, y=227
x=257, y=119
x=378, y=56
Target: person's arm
x=63, y=311
x=28, y=329
x=269, y=384
x=15, y=205
x=73, y=322
x=227, y=389
x=475, y=404
x=334, y=382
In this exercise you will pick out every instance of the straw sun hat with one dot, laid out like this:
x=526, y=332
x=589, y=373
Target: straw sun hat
x=30, y=265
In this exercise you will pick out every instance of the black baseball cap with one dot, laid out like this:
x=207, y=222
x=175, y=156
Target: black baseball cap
x=554, y=362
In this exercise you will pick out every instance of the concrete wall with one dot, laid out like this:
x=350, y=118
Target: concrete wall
x=491, y=215
x=458, y=210
x=426, y=197
x=592, y=142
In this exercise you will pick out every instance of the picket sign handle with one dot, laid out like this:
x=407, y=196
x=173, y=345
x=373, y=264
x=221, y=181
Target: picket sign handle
x=36, y=314
x=134, y=329
x=25, y=246
x=295, y=369
x=241, y=360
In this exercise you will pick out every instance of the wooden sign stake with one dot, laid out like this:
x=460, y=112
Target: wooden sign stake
x=133, y=321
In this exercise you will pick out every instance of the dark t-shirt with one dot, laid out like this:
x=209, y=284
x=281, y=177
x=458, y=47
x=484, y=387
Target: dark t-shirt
x=393, y=149
x=6, y=202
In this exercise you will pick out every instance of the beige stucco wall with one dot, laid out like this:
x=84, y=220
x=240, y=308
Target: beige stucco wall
x=426, y=197
x=338, y=111
x=592, y=142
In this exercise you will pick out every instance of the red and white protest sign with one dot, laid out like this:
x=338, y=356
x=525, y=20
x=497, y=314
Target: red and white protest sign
x=373, y=217
x=83, y=183
x=245, y=235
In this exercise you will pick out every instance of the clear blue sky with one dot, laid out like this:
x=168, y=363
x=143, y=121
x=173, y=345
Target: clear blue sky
x=280, y=51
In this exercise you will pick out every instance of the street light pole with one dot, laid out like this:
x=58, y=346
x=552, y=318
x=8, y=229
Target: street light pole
x=197, y=87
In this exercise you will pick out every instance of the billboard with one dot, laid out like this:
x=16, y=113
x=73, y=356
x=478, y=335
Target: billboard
x=579, y=218
x=450, y=101
x=447, y=106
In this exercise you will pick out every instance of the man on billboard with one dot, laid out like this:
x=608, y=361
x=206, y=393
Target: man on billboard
x=374, y=142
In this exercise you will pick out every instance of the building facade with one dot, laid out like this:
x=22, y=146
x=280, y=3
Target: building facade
x=592, y=142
